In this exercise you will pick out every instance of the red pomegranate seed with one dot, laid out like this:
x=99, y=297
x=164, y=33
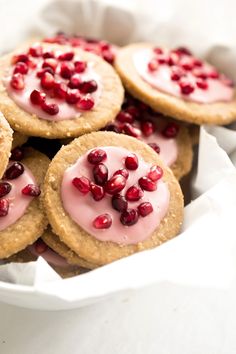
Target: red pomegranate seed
x=100, y=174
x=125, y=117
x=96, y=156
x=108, y=56
x=75, y=81
x=36, y=50
x=158, y=50
x=147, y=184
x=32, y=64
x=198, y=63
x=129, y=217
x=86, y=103
x=5, y=188
x=162, y=59
x=17, y=154
x=40, y=246
x=147, y=128
x=133, y=111
x=50, y=63
x=37, y=97
x=186, y=87
x=176, y=74
x=200, y=74
x=88, y=86
x=66, y=56
x=213, y=74
x=82, y=184
x=48, y=54
x=119, y=202
x=171, y=130
x=131, y=162
x=50, y=108
x=155, y=173
x=20, y=57
x=133, y=194
x=145, y=209
x=67, y=70
x=72, y=96
x=17, y=81
x=155, y=147
x=31, y=190
x=103, y=221
x=60, y=90
x=80, y=66
x=152, y=65
x=47, y=81
x=4, y=207
x=112, y=128
x=123, y=172
x=187, y=65
x=172, y=59
x=40, y=73
x=14, y=171
x=104, y=45
x=131, y=130
x=115, y=184
x=97, y=191
x=202, y=84
x=182, y=51
x=21, y=68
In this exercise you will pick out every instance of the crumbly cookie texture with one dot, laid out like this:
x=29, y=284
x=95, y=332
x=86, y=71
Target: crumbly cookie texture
x=104, y=111
x=215, y=113
x=27, y=229
x=5, y=143
x=70, y=233
x=18, y=139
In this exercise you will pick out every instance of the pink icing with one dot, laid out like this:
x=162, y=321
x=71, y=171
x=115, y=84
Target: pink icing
x=18, y=202
x=49, y=255
x=161, y=80
x=83, y=209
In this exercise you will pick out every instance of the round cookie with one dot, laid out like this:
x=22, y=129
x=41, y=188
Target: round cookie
x=176, y=106
x=28, y=227
x=18, y=139
x=70, y=121
x=5, y=143
x=72, y=234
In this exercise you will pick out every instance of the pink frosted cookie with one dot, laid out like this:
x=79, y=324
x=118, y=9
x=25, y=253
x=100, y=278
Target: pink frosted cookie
x=54, y=91
x=177, y=84
x=108, y=196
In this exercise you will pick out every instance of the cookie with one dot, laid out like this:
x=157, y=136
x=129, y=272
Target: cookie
x=5, y=143
x=22, y=217
x=177, y=84
x=85, y=205
x=18, y=140
x=169, y=138
x=53, y=91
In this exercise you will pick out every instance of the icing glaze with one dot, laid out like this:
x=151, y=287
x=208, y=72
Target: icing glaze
x=83, y=209
x=160, y=79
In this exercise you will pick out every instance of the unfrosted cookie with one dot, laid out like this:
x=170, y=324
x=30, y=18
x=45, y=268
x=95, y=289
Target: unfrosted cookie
x=18, y=139
x=177, y=84
x=106, y=215
x=5, y=143
x=22, y=218
x=53, y=91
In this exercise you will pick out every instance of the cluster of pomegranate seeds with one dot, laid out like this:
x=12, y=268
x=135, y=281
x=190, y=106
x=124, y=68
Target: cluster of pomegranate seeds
x=186, y=71
x=59, y=76
x=31, y=190
x=99, y=47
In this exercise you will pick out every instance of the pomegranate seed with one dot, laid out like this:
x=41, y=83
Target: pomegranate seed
x=115, y=184
x=82, y=184
x=133, y=194
x=36, y=50
x=130, y=130
x=108, y=56
x=182, y=50
x=17, y=154
x=67, y=70
x=50, y=108
x=5, y=188
x=80, y=66
x=48, y=54
x=60, y=90
x=133, y=111
x=129, y=217
x=112, y=128
x=66, y=56
x=72, y=96
x=50, y=63
x=162, y=59
x=176, y=74
x=152, y=65
x=147, y=128
x=197, y=62
x=4, y=207
x=96, y=156
x=200, y=74
x=17, y=81
x=97, y=191
x=20, y=57
x=145, y=209
x=75, y=81
x=202, y=84
x=37, y=97
x=31, y=190
x=147, y=184
x=47, y=81
x=125, y=117
x=100, y=174
x=172, y=59
x=104, y=45
x=88, y=86
x=85, y=104
x=40, y=246
x=171, y=130
x=103, y=221
x=213, y=74
x=14, y=171
x=158, y=50
x=186, y=87
x=119, y=202
x=155, y=173
x=123, y=172
x=45, y=70
x=187, y=65
x=131, y=162
x=155, y=147
x=21, y=68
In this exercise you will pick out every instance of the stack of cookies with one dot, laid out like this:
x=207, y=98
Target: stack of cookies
x=94, y=140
